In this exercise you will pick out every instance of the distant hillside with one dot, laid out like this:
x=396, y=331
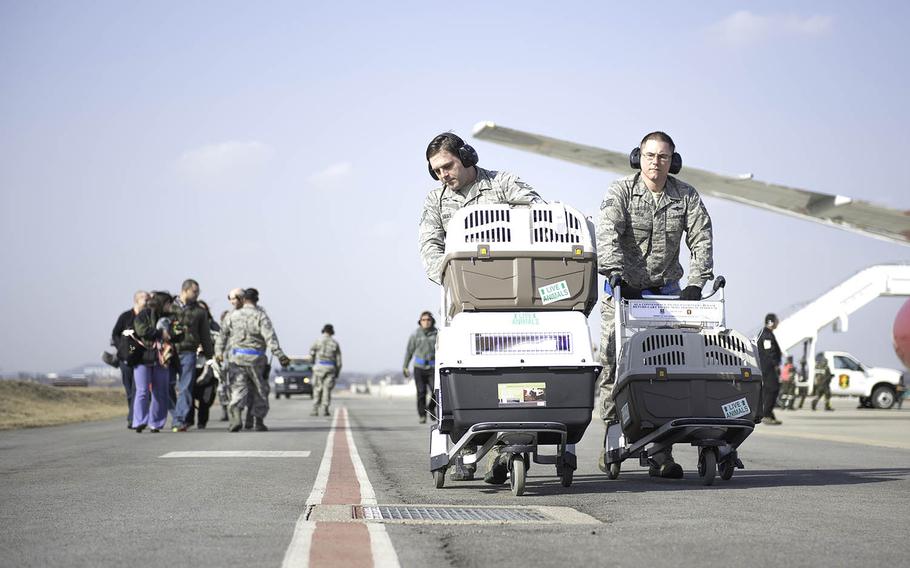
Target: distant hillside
x=27, y=404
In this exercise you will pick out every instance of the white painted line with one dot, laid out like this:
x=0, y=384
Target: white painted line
x=298, y=552
x=325, y=466
x=367, y=495
x=238, y=454
x=836, y=438
x=384, y=555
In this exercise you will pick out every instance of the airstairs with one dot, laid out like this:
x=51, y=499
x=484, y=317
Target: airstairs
x=835, y=306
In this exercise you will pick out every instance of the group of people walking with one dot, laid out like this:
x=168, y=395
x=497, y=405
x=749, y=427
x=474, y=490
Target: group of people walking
x=175, y=359
x=790, y=392
x=158, y=342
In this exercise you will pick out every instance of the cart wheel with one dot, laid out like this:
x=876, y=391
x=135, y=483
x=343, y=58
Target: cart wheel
x=567, y=474
x=517, y=477
x=708, y=466
x=613, y=471
x=439, y=477
x=726, y=470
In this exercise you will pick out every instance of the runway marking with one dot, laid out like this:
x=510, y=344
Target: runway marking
x=238, y=454
x=836, y=438
x=383, y=552
x=298, y=552
x=341, y=480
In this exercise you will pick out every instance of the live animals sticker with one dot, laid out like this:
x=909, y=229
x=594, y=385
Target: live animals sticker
x=554, y=292
x=736, y=408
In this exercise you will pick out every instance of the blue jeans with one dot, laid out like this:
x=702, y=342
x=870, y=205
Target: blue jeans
x=129, y=385
x=670, y=288
x=184, y=388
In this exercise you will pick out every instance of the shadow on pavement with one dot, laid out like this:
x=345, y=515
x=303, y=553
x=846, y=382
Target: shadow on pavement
x=639, y=482
x=835, y=417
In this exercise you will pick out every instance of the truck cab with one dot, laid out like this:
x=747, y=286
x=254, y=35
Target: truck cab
x=876, y=387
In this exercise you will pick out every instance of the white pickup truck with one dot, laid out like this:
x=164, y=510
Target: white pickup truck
x=876, y=387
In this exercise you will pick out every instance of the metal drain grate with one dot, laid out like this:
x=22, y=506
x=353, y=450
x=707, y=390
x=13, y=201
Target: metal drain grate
x=448, y=514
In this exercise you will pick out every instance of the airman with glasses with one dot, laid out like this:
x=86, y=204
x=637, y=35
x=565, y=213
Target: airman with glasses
x=643, y=218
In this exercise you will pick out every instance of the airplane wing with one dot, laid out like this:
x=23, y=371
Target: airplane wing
x=838, y=211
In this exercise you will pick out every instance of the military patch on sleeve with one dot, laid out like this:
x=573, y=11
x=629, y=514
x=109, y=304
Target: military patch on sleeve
x=607, y=203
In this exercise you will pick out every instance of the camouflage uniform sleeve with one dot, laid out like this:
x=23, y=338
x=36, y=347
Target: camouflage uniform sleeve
x=611, y=225
x=268, y=333
x=432, y=238
x=409, y=352
x=338, y=359
x=700, y=241
x=518, y=192
x=221, y=341
x=313, y=349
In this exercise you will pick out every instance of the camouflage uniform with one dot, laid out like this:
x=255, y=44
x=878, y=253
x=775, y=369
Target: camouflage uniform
x=640, y=240
x=326, y=354
x=245, y=335
x=823, y=376
x=489, y=187
x=221, y=371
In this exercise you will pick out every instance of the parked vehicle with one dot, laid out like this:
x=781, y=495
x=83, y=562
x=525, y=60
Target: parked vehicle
x=296, y=378
x=876, y=387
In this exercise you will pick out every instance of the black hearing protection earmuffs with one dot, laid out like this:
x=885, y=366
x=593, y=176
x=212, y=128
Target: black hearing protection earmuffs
x=635, y=161
x=466, y=153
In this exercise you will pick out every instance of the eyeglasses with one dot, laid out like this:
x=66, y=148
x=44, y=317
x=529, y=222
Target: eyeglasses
x=651, y=156
x=426, y=319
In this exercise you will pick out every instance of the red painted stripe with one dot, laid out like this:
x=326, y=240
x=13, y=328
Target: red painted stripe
x=341, y=544
x=337, y=543
x=343, y=487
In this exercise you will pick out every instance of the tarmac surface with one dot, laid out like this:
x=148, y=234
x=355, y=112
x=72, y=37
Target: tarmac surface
x=822, y=489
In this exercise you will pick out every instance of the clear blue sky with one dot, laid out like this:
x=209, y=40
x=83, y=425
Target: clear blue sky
x=280, y=145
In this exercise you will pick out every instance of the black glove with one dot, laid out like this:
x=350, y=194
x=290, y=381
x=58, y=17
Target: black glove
x=628, y=292
x=691, y=293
